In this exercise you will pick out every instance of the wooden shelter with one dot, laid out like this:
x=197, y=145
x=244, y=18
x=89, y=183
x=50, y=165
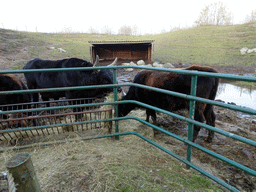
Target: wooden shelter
x=125, y=51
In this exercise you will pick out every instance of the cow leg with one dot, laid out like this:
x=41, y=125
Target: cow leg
x=152, y=113
x=79, y=109
x=45, y=98
x=210, y=120
x=71, y=95
x=198, y=117
x=35, y=97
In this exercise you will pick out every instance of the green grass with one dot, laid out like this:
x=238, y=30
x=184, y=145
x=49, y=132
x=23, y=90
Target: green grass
x=157, y=173
x=208, y=45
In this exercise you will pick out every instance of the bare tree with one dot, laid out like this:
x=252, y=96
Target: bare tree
x=92, y=30
x=125, y=30
x=135, y=30
x=106, y=30
x=215, y=14
x=251, y=17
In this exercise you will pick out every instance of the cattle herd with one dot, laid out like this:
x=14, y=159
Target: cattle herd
x=206, y=88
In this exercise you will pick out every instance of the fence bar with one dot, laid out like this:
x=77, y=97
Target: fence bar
x=191, y=116
x=115, y=105
x=198, y=73
x=199, y=99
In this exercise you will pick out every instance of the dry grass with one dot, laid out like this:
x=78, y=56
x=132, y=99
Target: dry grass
x=129, y=164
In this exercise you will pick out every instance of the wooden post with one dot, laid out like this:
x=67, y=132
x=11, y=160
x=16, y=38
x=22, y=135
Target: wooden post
x=22, y=170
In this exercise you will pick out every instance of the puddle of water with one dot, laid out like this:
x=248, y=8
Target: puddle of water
x=243, y=95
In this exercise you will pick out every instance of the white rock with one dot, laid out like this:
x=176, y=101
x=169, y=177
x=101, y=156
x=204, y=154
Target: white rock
x=243, y=50
x=148, y=65
x=155, y=64
x=125, y=64
x=130, y=64
x=168, y=65
x=52, y=48
x=140, y=62
x=61, y=50
x=250, y=51
x=128, y=69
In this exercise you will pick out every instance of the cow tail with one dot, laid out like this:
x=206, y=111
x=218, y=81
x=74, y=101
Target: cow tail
x=208, y=113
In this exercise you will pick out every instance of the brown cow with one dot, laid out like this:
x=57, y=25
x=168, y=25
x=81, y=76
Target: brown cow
x=8, y=82
x=206, y=88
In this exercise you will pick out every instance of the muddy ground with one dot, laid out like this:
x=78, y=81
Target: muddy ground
x=228, y=120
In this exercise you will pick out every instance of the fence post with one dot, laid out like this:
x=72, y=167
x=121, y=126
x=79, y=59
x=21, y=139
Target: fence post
x=115, y=105
x=191, y=116
x=22, y=170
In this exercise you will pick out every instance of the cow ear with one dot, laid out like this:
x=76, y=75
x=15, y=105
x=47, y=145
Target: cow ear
x=114, y=63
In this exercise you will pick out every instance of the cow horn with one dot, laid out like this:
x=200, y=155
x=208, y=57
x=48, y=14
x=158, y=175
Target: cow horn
x=96, y=63
x=114, y=63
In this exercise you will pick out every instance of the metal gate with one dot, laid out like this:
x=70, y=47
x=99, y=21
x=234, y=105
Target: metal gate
x=43, y=121
x=190, y=120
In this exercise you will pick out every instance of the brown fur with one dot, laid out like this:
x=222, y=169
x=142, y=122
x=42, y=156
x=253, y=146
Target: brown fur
x=16, y=119
x=15, y=79
x=177, y=82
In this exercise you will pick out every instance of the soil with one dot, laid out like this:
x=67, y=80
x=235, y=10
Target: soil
x=228, y=120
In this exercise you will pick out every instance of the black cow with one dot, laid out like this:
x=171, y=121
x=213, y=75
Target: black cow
x=9, y=82
x=206, y=88
x=40, y=80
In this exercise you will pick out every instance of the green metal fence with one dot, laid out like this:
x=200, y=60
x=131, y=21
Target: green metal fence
x=190, y=120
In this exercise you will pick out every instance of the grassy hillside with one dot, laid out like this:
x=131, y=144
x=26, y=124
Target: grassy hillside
x=213, y=45
x=209, y=45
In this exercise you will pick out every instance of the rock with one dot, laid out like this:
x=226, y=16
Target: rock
x=128, y=69
x=61, y=50
x=130, y=64
x=168, y=65
x=53, y=48
x=140, y=62
x=148, y=65
x=155, y=64
x=243, y=50
x=250, y=51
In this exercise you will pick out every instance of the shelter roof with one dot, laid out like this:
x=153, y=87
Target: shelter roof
x=121, y=42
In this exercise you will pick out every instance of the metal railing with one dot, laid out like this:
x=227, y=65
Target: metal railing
x=190, y=120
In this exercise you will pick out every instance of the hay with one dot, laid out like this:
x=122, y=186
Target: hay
x=102, y=165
